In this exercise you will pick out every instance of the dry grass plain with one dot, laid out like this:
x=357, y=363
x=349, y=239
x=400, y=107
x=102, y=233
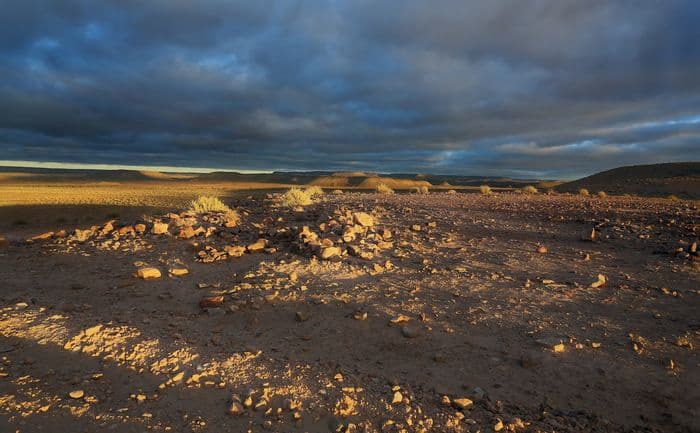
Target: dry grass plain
x=441, y=313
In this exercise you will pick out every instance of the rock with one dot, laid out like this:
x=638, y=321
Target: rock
x=415, y=227
x=364, y=219
x=140, y=228
x=186, y=233
x=684, y=341
x=234, y=251
x=542, y=249
x=300, y=316
x=42, y=237
x=148, y=273
x=600, y=282
x=397, y=398
x=555, y=344
x=257, y=246
x=360, y=315
x=21, y=305
x=77, y=394
x=236, y=408
x=462, y=403
x=293, y=277
x=330, y=252
x=211, y=301
x=401, y=318
x=3, y=242
x=588, y=235
x=178, y=272
x=159, y=228
x=498, y=425
x=410, y=331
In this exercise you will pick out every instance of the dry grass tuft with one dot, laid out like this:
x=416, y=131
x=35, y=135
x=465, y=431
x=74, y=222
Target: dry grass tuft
x=602, y=194
x=296, y=197
x=485, y=189
x=338, y=191
x=672, y=197
x=583, y=192
x=205, y=203
x=420, y=189
x=314, y=191
x=451, y=191
x=383, y=188
x=529, y=190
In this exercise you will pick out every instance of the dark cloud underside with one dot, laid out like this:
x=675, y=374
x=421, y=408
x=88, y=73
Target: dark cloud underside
x=540, y=88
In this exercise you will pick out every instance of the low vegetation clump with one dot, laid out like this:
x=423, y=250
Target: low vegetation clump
x=205, y=203
x=383, y=188
x=529, y=189
x=314, y=191
x=337, y=191
x=583, y=192
x=419, y=189
x=602, y=194
x=451, y=191
x=485, y=189
x=296, y=197
x=673, y=197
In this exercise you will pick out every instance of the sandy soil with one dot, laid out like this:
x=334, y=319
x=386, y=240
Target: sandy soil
x=442, y=312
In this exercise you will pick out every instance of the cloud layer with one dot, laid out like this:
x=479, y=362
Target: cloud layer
x=540, y=88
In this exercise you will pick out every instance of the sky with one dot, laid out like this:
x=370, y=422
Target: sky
x=540, y=88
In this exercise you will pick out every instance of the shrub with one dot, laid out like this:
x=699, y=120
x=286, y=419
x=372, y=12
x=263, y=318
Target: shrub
x=204, y=204
x=672, y=197
x=337, y=191
x=415, y=190
x=383, y=188
x=583, y=192
x=423, y=189
x=529, y=190
x=296, y=197
x=314, y=191
x=485, y=189
x=602, y=194
x=451, y=191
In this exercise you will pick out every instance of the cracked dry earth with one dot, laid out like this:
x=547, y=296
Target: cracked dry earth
x=431, y=313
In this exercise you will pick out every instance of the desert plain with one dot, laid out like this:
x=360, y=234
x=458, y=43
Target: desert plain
x=121, y=309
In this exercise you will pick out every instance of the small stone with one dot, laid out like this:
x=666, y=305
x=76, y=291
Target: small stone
x=300, y=316
x=398, y=398
x=330, y=252
x=360, y=315
x=186, y=233
x=159, y=228
x=211, y=301
x=498, y=425
x=462, y=403
x=595, y=345
x=600, y=282
x=257, y=246
x=236, y=408
x=234, y=250
x=542, y=249
x=148, y=273
x=77, y=394
x=178, y=272
x=415, y=227
x=364, y=219
x=21, y=305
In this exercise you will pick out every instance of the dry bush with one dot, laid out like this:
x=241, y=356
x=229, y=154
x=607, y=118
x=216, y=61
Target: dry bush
x=583, y=192
x=383, y=188
x=314, y=191
x=296, y=197
x=672, y=197
x=451, y=191
x=529, y=190
x=206, y=203
x=423, y=189
x=602, y=194
x=337, y=191
x=485, y=189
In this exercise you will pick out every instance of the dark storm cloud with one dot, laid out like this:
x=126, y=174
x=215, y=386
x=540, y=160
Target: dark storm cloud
x=540, y=88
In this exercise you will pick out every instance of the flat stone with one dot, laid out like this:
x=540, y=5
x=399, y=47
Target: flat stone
x=159, y=228
x=363, y=218
x=148, y=273
x=178, y=272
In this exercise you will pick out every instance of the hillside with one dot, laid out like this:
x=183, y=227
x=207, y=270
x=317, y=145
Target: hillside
x=655, y=180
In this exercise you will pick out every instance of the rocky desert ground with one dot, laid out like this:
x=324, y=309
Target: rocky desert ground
x=361, y=312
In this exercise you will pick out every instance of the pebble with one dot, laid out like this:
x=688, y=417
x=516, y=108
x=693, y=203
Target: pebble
x=398, y=398
x=148, y=273
x=462, y=403
x=77, y=394
x=410, y=331
x=178, y=272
